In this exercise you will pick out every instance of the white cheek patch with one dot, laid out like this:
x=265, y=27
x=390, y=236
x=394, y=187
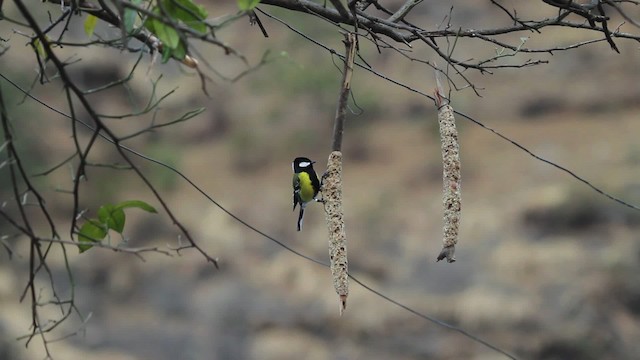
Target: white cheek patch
x=305, y=164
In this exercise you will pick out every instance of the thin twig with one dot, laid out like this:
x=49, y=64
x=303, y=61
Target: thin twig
x=345, y=89
x=404, y=10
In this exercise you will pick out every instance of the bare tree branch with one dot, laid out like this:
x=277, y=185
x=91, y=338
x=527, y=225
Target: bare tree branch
x=404, y=10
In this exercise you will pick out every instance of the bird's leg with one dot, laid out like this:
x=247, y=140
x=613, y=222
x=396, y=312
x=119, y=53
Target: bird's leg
x=324, y=176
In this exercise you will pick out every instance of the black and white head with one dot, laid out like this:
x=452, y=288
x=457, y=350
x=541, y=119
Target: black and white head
x=302, y=164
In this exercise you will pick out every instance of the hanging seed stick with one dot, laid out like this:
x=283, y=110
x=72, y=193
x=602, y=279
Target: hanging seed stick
x=332, y=185
x=332, y=195
x=451, y=196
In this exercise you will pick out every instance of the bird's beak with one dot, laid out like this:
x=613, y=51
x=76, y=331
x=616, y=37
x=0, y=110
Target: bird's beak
x=313, y=162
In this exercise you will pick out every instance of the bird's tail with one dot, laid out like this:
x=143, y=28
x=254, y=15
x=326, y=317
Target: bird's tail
x=300, y=218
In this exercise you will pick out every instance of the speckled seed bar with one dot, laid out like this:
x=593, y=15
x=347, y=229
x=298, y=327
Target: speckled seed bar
x=451, y=182
x=332, y=195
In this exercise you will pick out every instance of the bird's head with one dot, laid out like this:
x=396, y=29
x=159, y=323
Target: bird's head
x=301, y=164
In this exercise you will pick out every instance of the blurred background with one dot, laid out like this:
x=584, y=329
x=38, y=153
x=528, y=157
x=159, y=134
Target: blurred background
x=547, y=268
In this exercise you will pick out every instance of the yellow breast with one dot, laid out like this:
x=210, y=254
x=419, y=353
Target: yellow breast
x=306, y=189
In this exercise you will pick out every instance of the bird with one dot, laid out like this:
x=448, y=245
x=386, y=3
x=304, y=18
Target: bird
x=305, y=185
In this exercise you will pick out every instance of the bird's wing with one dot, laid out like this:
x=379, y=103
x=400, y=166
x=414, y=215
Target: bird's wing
x=296, y=190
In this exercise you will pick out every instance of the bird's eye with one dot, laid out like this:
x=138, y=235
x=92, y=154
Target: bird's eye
x=305, y=164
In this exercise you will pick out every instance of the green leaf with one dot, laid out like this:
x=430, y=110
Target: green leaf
x=109, y=217
x=129, y=19
x=246, y=5
x=90, y=233
x=190, y=13
x=90, y=25
x=148, y=24
x=104, y=213
x=39, y=48
x=136, y=204
x=180, y=52
x=114, y=218
x=168, y=35
x=166, y=54
x=185, y=11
